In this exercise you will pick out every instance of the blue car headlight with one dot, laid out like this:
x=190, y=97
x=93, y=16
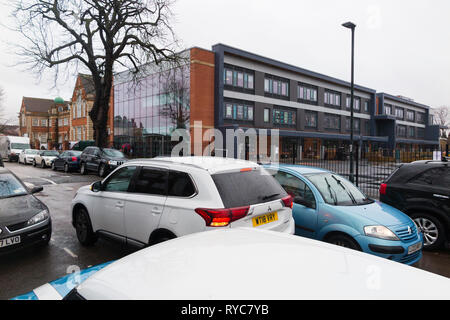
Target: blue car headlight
x=41, y=216
x=380, y=232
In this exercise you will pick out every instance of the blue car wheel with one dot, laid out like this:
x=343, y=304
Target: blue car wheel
x=343, y=241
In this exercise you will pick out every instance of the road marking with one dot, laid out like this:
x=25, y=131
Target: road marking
x=73, y=255
x=48, y=180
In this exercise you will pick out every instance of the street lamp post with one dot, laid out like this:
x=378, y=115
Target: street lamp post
x=351, y=26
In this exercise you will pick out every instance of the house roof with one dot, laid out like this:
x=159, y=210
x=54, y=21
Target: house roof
x=87, y=82
x=38, y=105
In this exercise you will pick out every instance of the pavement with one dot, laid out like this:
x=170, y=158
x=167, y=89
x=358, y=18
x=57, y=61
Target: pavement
x=23, y=271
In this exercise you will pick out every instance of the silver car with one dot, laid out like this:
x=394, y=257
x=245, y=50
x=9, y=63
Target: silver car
x=27, y=156
x=44, y=158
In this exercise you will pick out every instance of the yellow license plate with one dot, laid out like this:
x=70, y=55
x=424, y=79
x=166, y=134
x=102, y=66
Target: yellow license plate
x=264, y=219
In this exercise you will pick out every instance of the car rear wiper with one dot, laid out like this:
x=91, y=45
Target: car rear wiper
x=330, y=191
x=345, y=189
x=270, y=196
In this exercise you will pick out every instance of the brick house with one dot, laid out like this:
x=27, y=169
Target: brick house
x=45, y=121
x=83, y=99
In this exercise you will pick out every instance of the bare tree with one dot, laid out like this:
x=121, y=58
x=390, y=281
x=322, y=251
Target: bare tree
x=99, y=35
x=3, y=120
x=441, y=117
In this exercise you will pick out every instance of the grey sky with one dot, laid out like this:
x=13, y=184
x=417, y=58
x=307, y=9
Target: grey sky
x=402, y=47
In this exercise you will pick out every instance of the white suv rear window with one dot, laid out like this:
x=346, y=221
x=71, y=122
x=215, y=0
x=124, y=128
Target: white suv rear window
x=239, y=189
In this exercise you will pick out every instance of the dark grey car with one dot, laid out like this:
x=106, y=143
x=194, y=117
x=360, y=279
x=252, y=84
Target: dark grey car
x=24, y=219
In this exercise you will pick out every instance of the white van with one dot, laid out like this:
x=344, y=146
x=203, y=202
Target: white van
x=11, y=146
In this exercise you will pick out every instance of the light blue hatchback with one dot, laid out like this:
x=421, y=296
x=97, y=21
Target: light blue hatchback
x=328, y=207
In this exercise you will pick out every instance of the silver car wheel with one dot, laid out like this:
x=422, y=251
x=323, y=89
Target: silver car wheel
x=429, y=230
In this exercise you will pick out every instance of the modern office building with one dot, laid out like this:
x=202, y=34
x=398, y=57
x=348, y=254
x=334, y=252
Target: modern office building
x=409, y=124
x=229, y=88
x=148, y=110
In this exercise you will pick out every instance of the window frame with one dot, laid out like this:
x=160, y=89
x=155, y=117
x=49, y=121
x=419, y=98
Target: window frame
x=192, y=181
x=278, y=82
x=137, y=174
x=235, y=72
x=309, y=112
x=295, y=178
x=281, y=109
x=334, y=99
x=314, y=93
x=104, y=183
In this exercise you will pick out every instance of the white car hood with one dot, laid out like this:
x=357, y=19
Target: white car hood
x=246, y=264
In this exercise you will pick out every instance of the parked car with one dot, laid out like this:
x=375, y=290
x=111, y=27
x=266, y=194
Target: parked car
x=67, y=161
x=81, y=145
x=330, y=208
x=101, y=160
x=422, y=190
x=271, y=265
x=27, y=156
x=44, y=158
x=24, y=219
x=152, y=200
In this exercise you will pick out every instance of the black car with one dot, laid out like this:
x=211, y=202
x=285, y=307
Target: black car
x=67, y=161
x=24, y=219
x=101, y=160
x=422, y=190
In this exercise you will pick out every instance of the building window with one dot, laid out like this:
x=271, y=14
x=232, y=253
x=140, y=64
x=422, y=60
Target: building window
x=35, y=122
x=266, y=115
x=66, y=121
x=276, y=86
x=420, y=133
x=410, y=115
x=420, y=117
x=366, y=106
x=284, y=117
x=23, y=121
x=388, y=109
x=311, y=119
x=78, y=131
x=356, y=124
x=43, y=122
x=238, y=77
x=401, y=131
x=239, y=111
x=411, y=132
x=332, y=98
x=60, y=122
x=307, y=93
x=356, y=103
x=78, y=107
x=399, y=113
x=366, y=127
x=332, y=121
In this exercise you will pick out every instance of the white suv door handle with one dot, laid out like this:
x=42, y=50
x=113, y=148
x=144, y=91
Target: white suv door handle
x=157, y=210
x=119, y=204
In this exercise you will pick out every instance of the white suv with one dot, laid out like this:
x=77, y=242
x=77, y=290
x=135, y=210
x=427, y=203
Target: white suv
x=148, y=201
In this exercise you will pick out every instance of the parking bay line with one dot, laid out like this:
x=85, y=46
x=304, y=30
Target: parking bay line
x=48, y=180
x=70, y=253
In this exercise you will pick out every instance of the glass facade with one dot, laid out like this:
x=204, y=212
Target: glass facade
x=148, y=110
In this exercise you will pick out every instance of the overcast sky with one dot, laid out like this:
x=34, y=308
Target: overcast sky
x=402, y=46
